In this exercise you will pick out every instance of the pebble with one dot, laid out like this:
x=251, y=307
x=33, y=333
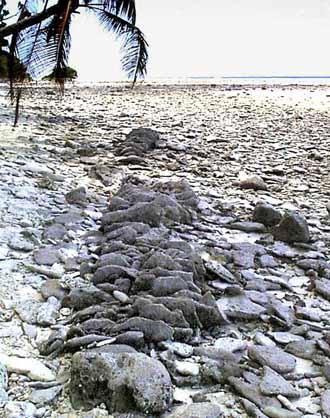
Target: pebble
x=46, y=256
x=181, y=396
x=48, y=312
x=53, y=287
x=43, y=397
x=186, y=368
x=121, y=296
x=37, y=168
x=230, y=344
x=20, y=244
x=262, y=339
x=15, y=409
x=252, y=182
x=275, y=412
x=285, y=337
x=181, y=349
x=197, y=410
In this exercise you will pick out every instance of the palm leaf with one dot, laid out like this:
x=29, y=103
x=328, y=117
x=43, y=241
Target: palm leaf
x=134, y=47
x=123, y=8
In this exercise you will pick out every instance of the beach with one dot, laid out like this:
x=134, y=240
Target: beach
x=233, y=146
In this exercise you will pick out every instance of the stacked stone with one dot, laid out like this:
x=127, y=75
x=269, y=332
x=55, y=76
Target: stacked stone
x=148, y=286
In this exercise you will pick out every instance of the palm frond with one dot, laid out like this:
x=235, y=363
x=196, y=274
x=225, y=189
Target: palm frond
x=134, y=47
x=45, y=47
x=123, y=8
x=59, y=31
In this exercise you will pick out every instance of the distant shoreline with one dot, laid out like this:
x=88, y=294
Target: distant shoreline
x=277, y=76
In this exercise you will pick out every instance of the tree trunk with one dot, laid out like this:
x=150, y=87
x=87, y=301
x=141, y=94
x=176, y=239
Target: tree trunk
x=28, y=22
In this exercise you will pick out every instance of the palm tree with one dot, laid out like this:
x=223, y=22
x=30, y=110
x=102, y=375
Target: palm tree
x=40, y=39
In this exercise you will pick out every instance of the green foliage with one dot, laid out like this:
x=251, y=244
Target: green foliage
x=18, y=69
x=3, y=12
x=66, y=73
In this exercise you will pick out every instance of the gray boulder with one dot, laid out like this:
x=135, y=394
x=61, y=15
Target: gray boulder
x=124, y=382
x=266, y=214
x=292, y=228
x=139, y=141
x=274, y=357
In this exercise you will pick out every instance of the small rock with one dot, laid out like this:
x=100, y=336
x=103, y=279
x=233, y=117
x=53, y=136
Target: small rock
x=197, y=410
x=303, y=349
x=186, y=368
x=48, y=312
x=181, y=349
x=53, y=287
x=37, y=168
x=230, y=344
x=240, y=307
x=277, y=412
x=27, y=310
x=10, y=329
x=262, y=339
x=20, y=410
x=181, y=396
x=252, y=410
x=283, y=337
x=248, y=226
x=326, y=370
x=252, y=182
x=45, y=396
x=121, y=296
x=20, y=244
x=46, y=256
x=31, y=367
x=325, y=403
x=322, y=287
x=77, y=196
x=3, y=384
x=54, y=232
x=30, y=330
x=268, y=261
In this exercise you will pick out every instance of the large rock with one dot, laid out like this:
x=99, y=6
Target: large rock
x=274, y=384
x=30, y=367
x=139, y=141
x=266, y=214
x=124, y=382
x=273, y=357
x=292, y=228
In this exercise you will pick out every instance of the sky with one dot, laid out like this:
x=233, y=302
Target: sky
x=192, y=38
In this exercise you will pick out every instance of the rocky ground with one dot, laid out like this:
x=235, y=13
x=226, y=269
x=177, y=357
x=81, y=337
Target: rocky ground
x=180, y=272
